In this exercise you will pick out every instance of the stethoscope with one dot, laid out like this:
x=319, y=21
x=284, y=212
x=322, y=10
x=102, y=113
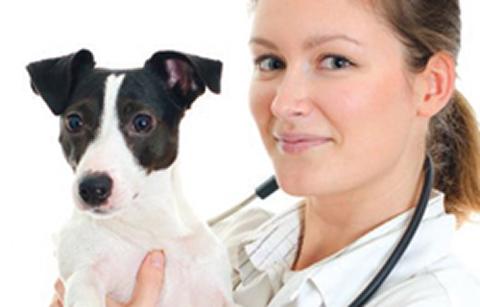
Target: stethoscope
x=269, y=186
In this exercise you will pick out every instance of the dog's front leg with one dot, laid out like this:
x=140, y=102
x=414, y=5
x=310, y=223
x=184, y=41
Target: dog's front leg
x=85, y=288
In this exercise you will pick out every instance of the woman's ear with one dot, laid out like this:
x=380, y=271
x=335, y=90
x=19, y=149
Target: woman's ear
x=437, y=84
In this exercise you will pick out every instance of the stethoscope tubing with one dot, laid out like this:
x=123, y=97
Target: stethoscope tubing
x=404, y=242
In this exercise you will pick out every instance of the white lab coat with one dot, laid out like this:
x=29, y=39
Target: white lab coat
x=262, y=249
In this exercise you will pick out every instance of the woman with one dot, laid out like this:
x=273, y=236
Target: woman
x=349, y=97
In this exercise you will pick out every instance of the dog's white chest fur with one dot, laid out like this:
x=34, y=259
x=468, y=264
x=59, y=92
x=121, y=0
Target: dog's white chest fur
x=102, y=257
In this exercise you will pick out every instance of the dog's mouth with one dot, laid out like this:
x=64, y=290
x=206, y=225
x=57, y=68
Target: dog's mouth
x=100, y=211
x=103, y=213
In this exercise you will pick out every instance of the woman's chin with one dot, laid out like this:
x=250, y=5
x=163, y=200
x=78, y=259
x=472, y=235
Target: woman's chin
x=294, y=184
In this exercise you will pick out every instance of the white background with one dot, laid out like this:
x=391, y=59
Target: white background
x=222, y=158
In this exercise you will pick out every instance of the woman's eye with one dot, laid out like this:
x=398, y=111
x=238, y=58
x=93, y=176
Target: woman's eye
x=335, y=62
x=142, y=123
x=74, y=123
x=269, y=63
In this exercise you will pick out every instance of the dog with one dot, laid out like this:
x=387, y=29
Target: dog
x=119, y=133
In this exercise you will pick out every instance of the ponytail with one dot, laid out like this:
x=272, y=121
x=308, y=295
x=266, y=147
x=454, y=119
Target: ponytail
x=454, y=143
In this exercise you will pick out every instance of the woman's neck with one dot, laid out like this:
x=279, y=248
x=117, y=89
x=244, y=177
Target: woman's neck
x=332, y=222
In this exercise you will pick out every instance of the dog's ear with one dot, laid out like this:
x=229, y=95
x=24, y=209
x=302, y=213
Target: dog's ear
x=54, y=79
x=186, y=75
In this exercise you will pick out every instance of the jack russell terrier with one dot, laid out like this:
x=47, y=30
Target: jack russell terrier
x=119, y=133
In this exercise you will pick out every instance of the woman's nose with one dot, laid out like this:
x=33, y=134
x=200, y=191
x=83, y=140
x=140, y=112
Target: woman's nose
x=292, y=99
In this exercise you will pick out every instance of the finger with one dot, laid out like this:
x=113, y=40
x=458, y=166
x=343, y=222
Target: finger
x=59, y=289
x=149, y=280
x=56, y=302
x=112, y=303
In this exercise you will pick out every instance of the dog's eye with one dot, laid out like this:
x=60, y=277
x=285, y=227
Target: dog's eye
x=74, y=123
x=143, y=123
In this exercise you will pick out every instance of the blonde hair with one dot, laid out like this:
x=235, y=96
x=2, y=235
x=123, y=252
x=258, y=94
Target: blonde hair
x=453, y=142
x=426, y=27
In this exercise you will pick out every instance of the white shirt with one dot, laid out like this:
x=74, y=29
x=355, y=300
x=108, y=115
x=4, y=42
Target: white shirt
x=262, y=249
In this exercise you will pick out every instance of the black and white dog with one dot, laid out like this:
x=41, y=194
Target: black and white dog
x=119, y=133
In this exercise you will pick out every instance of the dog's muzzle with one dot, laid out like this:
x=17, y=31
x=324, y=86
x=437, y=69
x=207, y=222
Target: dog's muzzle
x=95, y=189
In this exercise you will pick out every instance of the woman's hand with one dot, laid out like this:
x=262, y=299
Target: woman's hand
x=147, y=288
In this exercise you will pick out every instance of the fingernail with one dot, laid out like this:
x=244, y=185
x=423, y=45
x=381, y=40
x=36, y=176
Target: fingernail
x=157, y=259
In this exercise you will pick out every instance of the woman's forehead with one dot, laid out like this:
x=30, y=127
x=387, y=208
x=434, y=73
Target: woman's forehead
x=312, y=21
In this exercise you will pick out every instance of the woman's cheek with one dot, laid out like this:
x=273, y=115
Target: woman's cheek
x=261, y=98
x=376, y=121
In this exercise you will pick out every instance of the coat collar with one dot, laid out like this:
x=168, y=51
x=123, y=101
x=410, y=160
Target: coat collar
x=271, y=250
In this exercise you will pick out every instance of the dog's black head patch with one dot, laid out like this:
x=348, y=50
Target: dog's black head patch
x=81, y=119
x=150, y=102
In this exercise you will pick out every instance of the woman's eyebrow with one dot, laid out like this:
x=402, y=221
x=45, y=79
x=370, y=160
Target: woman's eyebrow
x=309, y=43
x=315, y=41
x=263, y=42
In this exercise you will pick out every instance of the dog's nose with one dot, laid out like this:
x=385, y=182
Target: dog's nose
x=95, y=189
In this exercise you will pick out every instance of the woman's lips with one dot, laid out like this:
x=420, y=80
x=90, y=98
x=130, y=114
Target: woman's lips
x=298, y=143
